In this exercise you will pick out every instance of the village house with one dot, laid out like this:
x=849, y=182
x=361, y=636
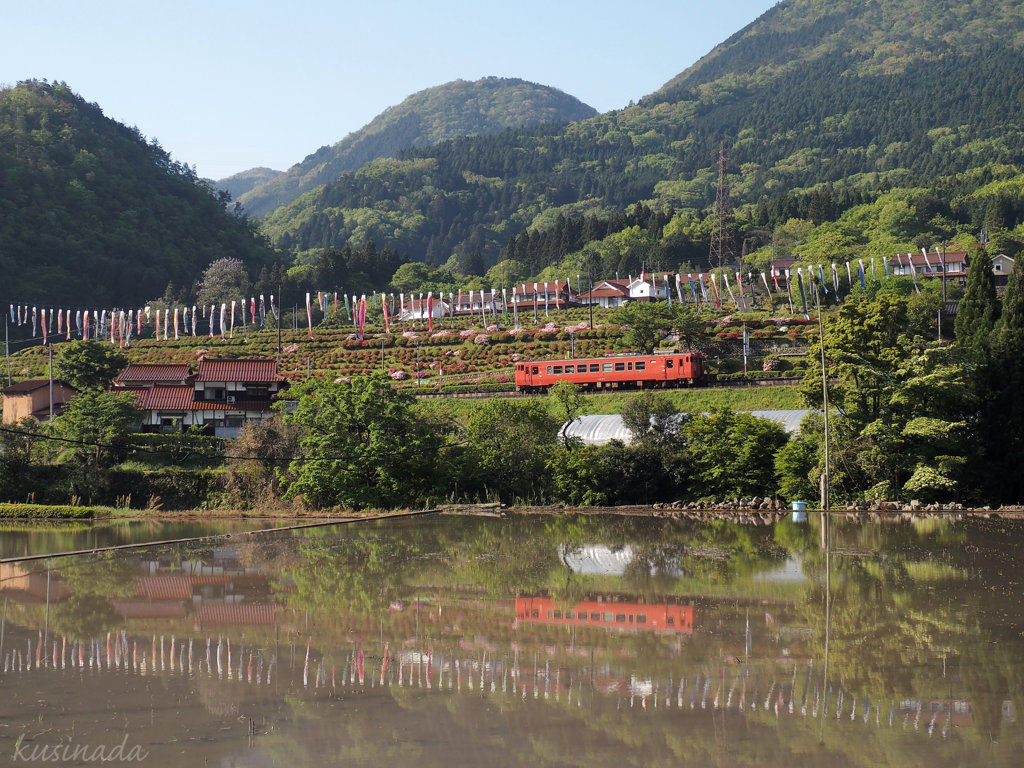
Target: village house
x=220, y=397
x=553, y=294
x=32, y=398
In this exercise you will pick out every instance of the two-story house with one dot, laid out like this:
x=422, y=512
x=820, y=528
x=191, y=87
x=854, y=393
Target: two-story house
x=220, y=397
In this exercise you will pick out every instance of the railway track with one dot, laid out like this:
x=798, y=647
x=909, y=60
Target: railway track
x=731, y=384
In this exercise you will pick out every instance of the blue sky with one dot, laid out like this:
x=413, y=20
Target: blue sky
x=228, y=86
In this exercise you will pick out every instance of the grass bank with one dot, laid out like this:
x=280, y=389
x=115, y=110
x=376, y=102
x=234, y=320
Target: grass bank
x=684, y=400
x=47, y=512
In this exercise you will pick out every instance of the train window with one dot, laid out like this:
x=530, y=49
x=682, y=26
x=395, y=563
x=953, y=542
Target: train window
x=671, y=621
x=595, y=367
x=549, y=614
x=535, y=370
x=620, y=618
x=558, y=614
x=668, y=363
x=631, y=618
x=595, y=616
x=570, y=614
x=606, y=366
x=602, y=616
x=570, y=369
x=549, y=369
x=536, y=613
x=582, y=616
x=641, y=618
x=641, y=365
x=620, y=366
x=629, y=366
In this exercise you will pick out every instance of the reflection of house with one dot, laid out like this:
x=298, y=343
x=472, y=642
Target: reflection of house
x=606, y=614
x=221, y=397
x=32, y=398
x=30, y=587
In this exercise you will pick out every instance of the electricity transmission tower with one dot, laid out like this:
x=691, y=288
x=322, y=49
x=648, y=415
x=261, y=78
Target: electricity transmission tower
x=722, y=251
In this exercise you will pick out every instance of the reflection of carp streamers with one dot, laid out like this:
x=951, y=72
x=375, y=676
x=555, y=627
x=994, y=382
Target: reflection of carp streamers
x=384, y=663
x=679, y=697
x=743, y=690
x=360, y=669
x=305, y=666
x=172, y=654
x=718, y=690
x=732, y=689
x=209, y=667
x=824, y=706
x=704, y=696
x=248, y=670
x=867, y=707
x=220, y=656
x=227, y=643
x=259, y=667
x=839, y=702
x=768, y=698
x=807, y=687
x=515, y=672
x=792, y=690
x=190, y=656
x=241, y=658
x=430, y=666
x=693, y=696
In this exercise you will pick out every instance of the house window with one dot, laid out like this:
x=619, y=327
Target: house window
x=997, y=267
x=214, y=393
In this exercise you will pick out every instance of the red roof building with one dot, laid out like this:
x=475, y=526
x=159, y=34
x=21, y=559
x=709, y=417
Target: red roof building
x=221, y=397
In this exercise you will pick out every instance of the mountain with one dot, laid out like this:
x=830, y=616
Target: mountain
x=459, y=108
x=91, y=214
x=246, y=181
x=857, y=95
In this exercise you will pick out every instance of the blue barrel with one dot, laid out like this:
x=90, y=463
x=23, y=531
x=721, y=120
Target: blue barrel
x=799, y=512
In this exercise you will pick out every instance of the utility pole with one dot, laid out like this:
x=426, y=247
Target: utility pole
x=7, y=348
x=49, y=349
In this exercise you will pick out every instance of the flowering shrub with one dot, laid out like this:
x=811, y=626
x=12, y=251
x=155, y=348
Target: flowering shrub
x=770, y=364
x=410, y=335
x=440, y=334
x=465, y=333
x=399, y=375
x=481, y=339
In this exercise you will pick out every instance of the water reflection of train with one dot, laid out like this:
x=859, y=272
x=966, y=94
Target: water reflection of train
x=608, y=615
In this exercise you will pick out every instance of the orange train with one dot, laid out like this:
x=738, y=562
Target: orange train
x=609, y=615
x=679, y=369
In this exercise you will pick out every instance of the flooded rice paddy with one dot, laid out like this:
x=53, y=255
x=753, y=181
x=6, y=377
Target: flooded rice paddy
x=549, y=641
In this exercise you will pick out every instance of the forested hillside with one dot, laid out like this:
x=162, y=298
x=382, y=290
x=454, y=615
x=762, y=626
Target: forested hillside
x=863, y=97
x=459, y=108
x=238, y=184
x=90, y=212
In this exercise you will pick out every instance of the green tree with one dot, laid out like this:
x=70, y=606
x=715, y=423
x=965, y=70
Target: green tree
x=733, y=454
x=651, y=418
x=224, y=280
x=646, y=323
x=95, y=428
x=88, y=365
x=359, y=445
x=260, y=455
x=570, y=404
x=978, y=310
x=509, y=444
x=410, y=276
